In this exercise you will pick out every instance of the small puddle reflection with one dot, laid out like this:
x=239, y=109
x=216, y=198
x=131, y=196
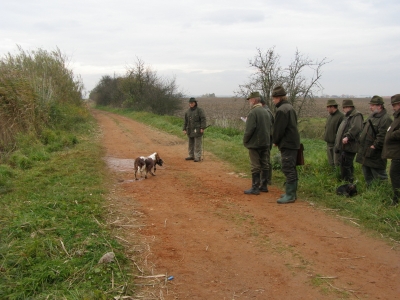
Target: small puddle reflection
x=120, y=164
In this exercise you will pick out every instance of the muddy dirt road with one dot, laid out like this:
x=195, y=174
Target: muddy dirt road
x=217, y=243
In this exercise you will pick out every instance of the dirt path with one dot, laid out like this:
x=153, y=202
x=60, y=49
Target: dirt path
x=221, y=244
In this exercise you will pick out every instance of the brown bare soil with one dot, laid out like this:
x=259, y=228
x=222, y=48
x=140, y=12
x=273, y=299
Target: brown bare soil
x=193, y=222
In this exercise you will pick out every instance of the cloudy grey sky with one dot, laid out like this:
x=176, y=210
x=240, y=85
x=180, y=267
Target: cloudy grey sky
x=207, y=44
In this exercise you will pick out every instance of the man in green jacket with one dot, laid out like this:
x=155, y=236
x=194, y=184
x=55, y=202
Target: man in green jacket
x=347, y=139
x=256, y=138
x=286, y=136
x=371, y=142
x=391, y=149
x=194, y=126
x=331, y=127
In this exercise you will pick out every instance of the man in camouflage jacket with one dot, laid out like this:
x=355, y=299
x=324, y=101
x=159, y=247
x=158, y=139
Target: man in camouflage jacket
x=371, y=142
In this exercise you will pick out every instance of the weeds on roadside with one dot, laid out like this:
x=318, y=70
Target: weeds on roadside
x=51, y=237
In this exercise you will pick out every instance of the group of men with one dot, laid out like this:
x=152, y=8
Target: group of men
x=264, y=130
x=347, y=135
x=371, y=142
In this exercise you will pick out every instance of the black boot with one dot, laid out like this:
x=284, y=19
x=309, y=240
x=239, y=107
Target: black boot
x=255, y=184
x=264, y=181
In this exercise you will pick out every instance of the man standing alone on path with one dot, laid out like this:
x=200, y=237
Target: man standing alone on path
x=286, y=136
x=257, y=139
x=371, y=142
x=195, y=123
x=332, y=125
x=347, y=139
x=391, y=149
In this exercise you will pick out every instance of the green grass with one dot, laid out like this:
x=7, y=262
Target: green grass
x=51, y=203
x=317, y=181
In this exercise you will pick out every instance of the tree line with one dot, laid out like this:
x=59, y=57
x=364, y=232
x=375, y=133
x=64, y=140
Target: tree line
x=141, y=88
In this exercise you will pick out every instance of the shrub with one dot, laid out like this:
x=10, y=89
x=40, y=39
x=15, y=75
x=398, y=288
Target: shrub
x=37, y=90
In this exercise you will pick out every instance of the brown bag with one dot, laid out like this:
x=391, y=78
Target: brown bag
x=300, y=156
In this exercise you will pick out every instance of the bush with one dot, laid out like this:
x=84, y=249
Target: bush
x=140, y=89
x=37, y=91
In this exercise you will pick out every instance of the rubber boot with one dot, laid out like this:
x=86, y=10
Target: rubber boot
x=254, y=190
x=295, y=196
x=264, y=181
x=290, y=195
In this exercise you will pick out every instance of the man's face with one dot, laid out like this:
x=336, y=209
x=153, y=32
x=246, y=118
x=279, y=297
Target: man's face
x=276, y=100
x=192, y=104
x=251, y=101
x=346, y=109
x=374, y=108
x=331, y=109
x=396, y=106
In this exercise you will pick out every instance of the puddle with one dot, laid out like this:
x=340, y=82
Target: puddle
x=120, y=164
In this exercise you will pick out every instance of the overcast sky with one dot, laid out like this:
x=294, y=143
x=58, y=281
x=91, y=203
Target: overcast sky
x=206, y=45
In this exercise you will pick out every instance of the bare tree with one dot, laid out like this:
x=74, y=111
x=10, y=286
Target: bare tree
x=301, y=89
x=267, y=74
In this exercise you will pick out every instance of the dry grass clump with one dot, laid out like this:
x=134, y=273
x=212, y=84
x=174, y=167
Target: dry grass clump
x=33, y=85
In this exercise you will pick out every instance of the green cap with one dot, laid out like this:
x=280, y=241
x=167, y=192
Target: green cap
x=347, y=102
x=278, y=91
x=253, y=95
x=192, y=100
x=395, y=99
x=332, y=102
x=376, y=100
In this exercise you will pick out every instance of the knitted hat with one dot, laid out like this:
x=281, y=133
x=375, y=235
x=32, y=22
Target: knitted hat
x=192, y=100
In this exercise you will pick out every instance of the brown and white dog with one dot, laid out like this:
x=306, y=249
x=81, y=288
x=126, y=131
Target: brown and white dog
x=139, y=165
x=147, y=164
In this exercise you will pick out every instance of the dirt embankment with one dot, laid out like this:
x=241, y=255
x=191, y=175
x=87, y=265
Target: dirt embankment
x=217, y=243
